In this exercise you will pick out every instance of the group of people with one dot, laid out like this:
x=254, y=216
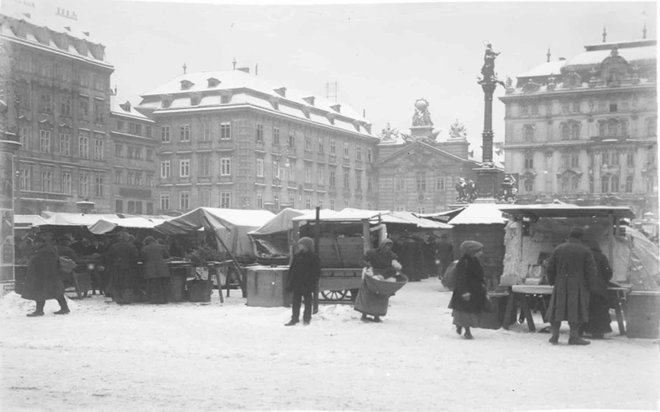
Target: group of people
x=45, y=278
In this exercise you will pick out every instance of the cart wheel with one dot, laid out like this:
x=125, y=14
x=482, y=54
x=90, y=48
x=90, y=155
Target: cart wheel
x=333, y=294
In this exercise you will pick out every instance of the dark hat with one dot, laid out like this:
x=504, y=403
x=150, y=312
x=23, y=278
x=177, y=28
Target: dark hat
x=576, y=232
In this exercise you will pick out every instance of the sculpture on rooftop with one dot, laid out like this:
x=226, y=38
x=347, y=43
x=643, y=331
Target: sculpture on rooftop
x=422, y=116
x=457, y=131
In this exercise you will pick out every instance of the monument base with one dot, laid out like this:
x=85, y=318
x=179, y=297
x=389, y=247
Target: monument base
x=486, y=183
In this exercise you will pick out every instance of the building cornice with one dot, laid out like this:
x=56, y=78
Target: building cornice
x=568, y=92
x=576, y=144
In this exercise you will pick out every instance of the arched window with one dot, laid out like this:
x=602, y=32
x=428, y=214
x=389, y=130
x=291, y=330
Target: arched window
x=613, y=128
x=605, y=184
x=575, y=183
x=575, y=131
x=614, y=184
x=629, y=184
x=565, y=131
x=529, y=185
x=529, y=160
x=528, y=132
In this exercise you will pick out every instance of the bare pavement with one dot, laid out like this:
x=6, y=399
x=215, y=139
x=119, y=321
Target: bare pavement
x=229, y=356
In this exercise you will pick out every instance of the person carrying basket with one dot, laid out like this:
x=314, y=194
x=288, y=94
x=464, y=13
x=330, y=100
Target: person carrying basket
x=375, y=291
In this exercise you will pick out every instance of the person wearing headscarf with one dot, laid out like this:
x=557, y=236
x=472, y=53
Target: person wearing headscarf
x=469, y=297
x=381, y=263
x=156, y=272
x=122, y=260
x=599, y=307
x=304, y=274
x=571, y=267
x=43, y=281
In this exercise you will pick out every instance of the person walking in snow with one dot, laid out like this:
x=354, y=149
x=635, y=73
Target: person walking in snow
x=469, y=298
x=43, y=280
x=382, y=261
x=304, y=274
x=570, y=269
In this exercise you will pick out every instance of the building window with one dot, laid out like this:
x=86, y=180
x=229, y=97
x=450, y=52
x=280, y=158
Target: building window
x=206, y=132
x=98, y=149
x=320, y=175
x=184, y=168
x=332, y=204
x=260, y=200
x=260, y=167
x=134, y=128
x=165, y=134
x=332, y=146
x=225, y=166
x=358, y=181
x=83, y=147
x=524, y=110
x=529, y=161
x=347, y=185
x=629, y=184
x=26, y=137
x=66, y=183
x=292, y=141
x=614, y=158
x=225, y=200
x=184, y=132
x=346, y=150
x=119, y=177
x=65, y=144
x=575, y=160
x=605, y=184
x=98, y=184
x=321, y=145
x=99, y=112
x=184, y=200
x=528, y=132
x=308, y=202
x=529, y=185
x=358, y=154
x=614, y=184
x=225, y=131
x=47, y=181
x=44, y=141
x=25, y=181
x=613, y=108
x=369, y=156
x=575, y=107
x=205, y=164
x=652, y=127
x=150, y=154
x=276, y=136
x=46, y=105
x=260, y=133
x=165, y=201
x=165, y=169
x=630, y=159
x=83, y=107
x=400, y=183
x=440, y=183
x=308, y=144
x=333, y=179
x=308, y=174
x=420, y=179
x=278, y=172
x=65, y=107
x=83, y=184
x=575, y=131
x=149, y=180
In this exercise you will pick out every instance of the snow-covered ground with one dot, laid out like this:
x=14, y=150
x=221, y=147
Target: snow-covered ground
x=214, y=356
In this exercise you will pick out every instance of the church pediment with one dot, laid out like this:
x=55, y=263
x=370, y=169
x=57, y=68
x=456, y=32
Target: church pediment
x=421, y=155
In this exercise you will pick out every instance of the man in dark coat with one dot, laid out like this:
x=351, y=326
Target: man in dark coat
x=155, y=270
x=599, y=307
x=122, y=260
x=304, y=274
x=43, y=279
x=430, y=251
x=445, y=253
x=570, y=269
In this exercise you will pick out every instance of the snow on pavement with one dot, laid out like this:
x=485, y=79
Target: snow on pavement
x=230, y=356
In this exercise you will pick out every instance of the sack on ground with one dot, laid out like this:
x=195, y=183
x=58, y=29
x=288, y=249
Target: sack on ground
x=67, y=264
x=449, y=278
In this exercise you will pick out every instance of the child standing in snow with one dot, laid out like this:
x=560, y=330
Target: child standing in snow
x=304, y=274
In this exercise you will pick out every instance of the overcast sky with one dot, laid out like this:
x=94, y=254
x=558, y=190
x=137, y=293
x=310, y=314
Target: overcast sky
x=383, y=56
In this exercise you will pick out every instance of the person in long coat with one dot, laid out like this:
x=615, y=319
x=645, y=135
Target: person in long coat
x=599, y=306
x=445, y=251
x=430, y=252
x=122, y=260
x=43, y=279
x=380, y=261
x=304, y=274
x=571, y=267
x=469, y=297
x=155, y=270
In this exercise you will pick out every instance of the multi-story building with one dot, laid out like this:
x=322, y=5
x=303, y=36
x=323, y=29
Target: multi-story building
x=135, y=162
x=584, y=130
x=233, y=140
x=59, y=86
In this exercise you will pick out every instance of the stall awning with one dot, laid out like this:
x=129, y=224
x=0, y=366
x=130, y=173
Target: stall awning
x=410, y=218
x=566, y=211
x=107, y=225
x=479, y=214
x=74, y=219
x=281, y=222
x=26, y=221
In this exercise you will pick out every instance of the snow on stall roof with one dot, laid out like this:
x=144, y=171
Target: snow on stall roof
x=28, y=220
x=568, y=210
x=545, y=69
x=74, y=219
x=327, y=215
x=106, y=225
x=479, y=214
x=281, y=222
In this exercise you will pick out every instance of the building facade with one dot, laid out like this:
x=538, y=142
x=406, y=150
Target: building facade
x=233, y=140
x=59, y=84
x=135, y=161
x=584, y=130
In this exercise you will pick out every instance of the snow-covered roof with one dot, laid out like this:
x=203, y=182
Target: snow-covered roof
x=347, y=215
x=245, y=89
x=125, y=108
x=479, y=214
x=74, y=219
x=28, y=220
x=281, y=222
x=107, y=225
x=545, y=69
x=567, y=210
x=629, y=53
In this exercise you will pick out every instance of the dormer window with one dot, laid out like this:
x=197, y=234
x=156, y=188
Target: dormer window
x=166, y=100
x=336, y=108
x=126, y=106
x=306, y=111
x=212, y=82
x=356, y=124
x=225, y=97
x=186, y=84
x=195, y=98
x=331, y=117
x=310, y=100
x=281, y=91
x=367, y=126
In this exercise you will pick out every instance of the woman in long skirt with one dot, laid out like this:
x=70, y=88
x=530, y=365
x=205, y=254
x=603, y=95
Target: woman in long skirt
x=368, y=302
x=469, y=297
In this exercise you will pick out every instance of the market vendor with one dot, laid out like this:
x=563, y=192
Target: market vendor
x=155, y=270
x=382, y=261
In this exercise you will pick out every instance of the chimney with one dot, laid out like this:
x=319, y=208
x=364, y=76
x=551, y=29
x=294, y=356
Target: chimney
x=234, y=63
x=309, y=99
x=281, y=91
x=604, y=34
x=244, y=70
x=336, y=107
x=256, y=69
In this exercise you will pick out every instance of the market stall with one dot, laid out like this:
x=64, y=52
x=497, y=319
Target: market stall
x=534, y=231
x=272, y=241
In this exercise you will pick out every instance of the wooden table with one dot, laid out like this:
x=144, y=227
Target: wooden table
x=519, y=295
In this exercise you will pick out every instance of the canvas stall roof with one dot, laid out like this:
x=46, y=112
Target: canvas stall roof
x=281, y=222
x=327, y=215
x=73, y=219
x=409, y=218
x=28, y=220
x=479, y=214
x=441, y=216
x=567, y=210
x=108, y=225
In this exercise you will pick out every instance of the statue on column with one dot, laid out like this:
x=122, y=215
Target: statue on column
x=488, y=69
